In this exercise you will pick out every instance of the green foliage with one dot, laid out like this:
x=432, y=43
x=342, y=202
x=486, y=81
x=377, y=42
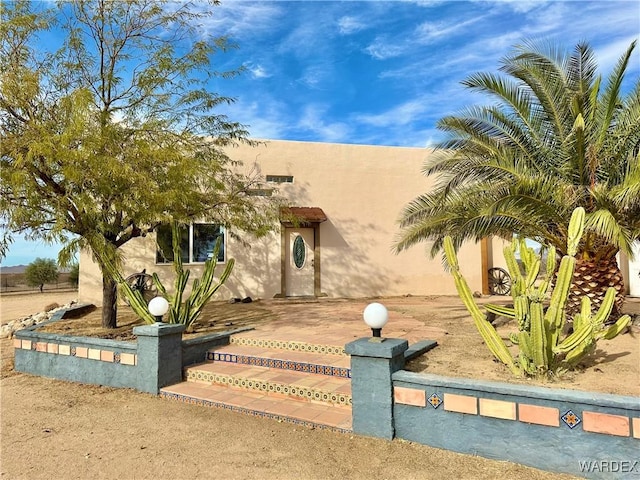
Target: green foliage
x=41, y=271
x=554, y=136
x=188, y=311
x=542, y=349
x=115, y=131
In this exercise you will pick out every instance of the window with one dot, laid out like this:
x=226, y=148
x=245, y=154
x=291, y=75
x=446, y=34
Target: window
x=280, y=178
x=197, y=242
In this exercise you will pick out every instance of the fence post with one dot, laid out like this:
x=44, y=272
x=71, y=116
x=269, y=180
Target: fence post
x=372, y=364
x=159, y=355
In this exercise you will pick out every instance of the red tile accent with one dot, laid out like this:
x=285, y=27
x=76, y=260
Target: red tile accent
x=41, y=347
x=82, y=352
x=540, y=415
x=460, y=403
x=106, y=356
x=17, y=343
x=636, y=427
x=605, y=423
x=52, y=348
x=497, y=409
x=410, y=396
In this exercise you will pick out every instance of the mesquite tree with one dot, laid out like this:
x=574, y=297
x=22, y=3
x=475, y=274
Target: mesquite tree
x=114, y=131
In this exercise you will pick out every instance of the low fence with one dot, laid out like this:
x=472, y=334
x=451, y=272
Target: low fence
x=154, y=361
x=590, y=434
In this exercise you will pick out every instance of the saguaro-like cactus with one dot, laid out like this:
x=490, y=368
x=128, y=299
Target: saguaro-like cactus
x=541, y=349
x=184, y=312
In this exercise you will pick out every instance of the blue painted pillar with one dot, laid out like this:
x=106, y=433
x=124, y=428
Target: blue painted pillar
x=159, y=355
x=372, y=364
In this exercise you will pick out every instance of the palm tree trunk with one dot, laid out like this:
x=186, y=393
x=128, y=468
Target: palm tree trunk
x=109, y=302
x=592, y=279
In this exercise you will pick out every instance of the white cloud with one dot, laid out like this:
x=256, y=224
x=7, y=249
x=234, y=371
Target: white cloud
x=382, y=49
x=257, y=71
x=348, y=25
x=241, y=19
x=401, y=115
x=313, y=120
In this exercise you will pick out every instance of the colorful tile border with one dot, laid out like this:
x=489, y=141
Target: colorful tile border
x=108, y=356
x=593, y=422
x=328, y=370
x=248, y=411
x=298, y=391
x=289, y=345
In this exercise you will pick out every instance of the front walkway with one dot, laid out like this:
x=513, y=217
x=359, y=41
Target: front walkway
x=293, y=368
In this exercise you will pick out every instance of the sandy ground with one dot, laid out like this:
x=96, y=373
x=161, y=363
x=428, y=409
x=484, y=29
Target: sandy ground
x=53, y=429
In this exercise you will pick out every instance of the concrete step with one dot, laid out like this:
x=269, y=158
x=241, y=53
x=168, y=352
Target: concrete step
x=285, y=409
x=253, y=339
x=300, y=385
x=307, y=362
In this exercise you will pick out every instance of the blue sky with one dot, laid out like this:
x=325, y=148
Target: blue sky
x=383, y=72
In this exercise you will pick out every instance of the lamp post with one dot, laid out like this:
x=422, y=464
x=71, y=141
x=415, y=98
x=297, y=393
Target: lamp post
x=376, y=316
x=158, y=306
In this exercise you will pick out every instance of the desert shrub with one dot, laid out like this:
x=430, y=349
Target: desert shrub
x=41, y=271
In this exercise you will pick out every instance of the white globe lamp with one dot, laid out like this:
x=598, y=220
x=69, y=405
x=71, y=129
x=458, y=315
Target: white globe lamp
x=376, y=316
x=158, y=306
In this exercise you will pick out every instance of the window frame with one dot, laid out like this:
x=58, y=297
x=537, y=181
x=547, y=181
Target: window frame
x=190, y=236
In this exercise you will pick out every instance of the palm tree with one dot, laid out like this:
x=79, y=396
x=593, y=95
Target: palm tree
x=556, y=138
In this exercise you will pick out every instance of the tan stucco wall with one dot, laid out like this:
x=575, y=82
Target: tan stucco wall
x=362, y=190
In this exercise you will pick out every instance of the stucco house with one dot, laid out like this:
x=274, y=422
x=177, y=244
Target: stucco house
x=349, y=198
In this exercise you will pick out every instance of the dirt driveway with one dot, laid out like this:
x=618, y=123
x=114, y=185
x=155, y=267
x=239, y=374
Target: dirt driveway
x=52, y=429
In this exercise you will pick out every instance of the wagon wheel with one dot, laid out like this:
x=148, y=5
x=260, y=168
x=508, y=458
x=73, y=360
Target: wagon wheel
x=499, y=281
x=143, y=282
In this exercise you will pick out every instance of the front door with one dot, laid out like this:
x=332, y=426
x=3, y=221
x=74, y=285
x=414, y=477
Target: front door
x=299, y=262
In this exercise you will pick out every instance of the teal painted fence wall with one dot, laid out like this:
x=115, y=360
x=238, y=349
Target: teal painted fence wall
x=590, y=434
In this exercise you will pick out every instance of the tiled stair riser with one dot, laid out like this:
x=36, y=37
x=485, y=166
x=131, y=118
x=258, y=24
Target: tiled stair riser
x=254, y=413
x=277, y=388
x=328, y=370
x=289, y=345
x=290, y=381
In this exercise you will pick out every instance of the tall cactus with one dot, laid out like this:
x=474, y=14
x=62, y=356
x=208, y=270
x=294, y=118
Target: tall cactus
x=488, y=333
x=188, y=311
x=541, y=350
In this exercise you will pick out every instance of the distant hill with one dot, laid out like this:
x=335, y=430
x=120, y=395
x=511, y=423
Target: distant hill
x=21, y=269
x=13, y=269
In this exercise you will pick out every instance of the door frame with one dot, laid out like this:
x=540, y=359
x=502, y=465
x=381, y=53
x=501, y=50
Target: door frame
x=284, y=230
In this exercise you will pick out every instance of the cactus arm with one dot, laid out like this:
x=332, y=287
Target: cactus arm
x=495, y=344
x=538, y=337
x=575, y=339
x=605, y=308
x=500, y=310
x=576, y=229
x=615, y=329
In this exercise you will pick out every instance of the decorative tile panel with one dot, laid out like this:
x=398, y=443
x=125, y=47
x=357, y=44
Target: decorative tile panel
x=497, y=409
x=539, y=415
x=434, y=400
x=605, y=423
x=570, y=419
x=460, y=403
x=410, y=396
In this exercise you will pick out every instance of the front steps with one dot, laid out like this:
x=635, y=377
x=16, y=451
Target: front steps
x=298, y=382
